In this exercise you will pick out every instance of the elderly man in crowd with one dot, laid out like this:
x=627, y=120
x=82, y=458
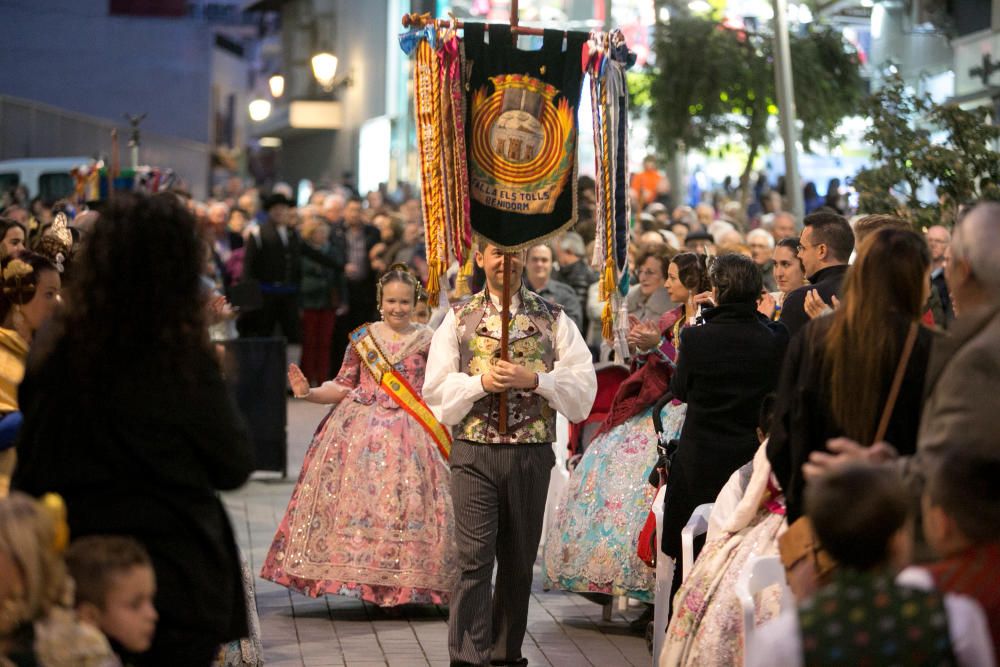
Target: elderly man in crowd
x=783, y=226
x=538, y=271
x=573, y=270
x=762, y=248
x=938, y=239
x=963, y=374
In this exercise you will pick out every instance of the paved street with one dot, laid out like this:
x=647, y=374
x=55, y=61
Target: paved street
x=564, y=630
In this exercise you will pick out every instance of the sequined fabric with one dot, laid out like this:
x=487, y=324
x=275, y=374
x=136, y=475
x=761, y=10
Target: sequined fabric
x=371, y=516
x=707, y=625
x=248, y=651
x=591, y=543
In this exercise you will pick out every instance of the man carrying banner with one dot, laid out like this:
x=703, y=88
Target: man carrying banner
x=499, y=482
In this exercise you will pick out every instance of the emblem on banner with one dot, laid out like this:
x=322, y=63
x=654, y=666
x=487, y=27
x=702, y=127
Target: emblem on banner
x=522, y=145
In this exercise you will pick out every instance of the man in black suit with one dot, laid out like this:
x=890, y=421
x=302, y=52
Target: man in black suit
x=273, y=259
x=825, y=246
x=938, y=240
x=358, y=239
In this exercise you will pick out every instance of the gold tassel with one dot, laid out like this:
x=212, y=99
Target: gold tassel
x=608, y=279
x=433, y=282
x=462, y=281
x=607, y=323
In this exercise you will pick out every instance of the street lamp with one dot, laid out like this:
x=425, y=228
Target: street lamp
x=324, y=66
x=277, y=85
x=259, y=110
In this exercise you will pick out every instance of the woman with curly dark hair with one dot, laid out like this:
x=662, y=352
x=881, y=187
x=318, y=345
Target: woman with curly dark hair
x=126, y=416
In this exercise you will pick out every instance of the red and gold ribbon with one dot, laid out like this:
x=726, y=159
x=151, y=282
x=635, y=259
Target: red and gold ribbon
x=428, y=103
x=396, y=386
x=456, y=166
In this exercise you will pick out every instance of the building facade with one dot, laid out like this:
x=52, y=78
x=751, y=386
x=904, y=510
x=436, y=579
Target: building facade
x=80, y=65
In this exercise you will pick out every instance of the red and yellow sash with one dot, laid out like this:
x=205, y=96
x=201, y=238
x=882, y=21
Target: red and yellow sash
x=398, y=388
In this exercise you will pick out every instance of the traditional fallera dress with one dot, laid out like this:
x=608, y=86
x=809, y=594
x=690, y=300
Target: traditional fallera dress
x=707, y=624
x=591, y=542
x=371, y=516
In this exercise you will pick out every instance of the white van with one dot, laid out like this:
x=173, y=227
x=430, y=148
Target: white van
x=48, y=177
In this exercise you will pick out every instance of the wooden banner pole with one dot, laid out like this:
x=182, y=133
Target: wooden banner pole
x=504, y=337
x=507, y=269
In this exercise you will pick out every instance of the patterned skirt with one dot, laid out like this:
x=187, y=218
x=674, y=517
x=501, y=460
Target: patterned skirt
x=592, y=539
x=371, y=516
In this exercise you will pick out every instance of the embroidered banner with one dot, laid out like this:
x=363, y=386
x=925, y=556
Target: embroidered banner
x=521, y=134
x=398, y=388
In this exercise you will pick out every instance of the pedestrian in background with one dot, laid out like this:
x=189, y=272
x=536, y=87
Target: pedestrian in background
x=319, y=293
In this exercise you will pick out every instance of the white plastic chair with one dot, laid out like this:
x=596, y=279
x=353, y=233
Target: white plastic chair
x=664, y=578
x=759, y=573
x=696, y=525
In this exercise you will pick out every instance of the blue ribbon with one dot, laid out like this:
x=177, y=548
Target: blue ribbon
x=408, y=41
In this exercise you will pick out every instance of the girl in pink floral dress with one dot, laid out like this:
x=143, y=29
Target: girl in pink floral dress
x=371, y=516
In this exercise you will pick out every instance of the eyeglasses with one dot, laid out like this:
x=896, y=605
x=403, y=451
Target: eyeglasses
x=648, y=272
x=800, y=247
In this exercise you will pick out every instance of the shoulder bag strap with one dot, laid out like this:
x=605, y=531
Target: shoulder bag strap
x=897, y=381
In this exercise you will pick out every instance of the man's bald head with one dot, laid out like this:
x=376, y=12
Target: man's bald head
x=938, y=238
x=975, y=250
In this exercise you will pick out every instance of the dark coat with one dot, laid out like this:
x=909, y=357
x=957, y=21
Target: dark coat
x=321, y=286
x=143, y=455
x=562, y=295
x=940, y=286
x=826, y=281
x=372, y=238
x=802, y=422
x=273, y=262
x=580, y=277
x=725, y=368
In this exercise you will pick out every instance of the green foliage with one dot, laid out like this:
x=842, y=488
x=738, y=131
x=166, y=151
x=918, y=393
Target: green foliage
x=686, y=110
x=908, y=151
x=711, y=80
x=639, y=83
x=828, y=83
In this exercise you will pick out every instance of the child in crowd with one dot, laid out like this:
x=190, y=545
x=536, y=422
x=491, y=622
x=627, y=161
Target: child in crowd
x=422, y=311
x=961, y=518
x=37, y=627
x=864, y=615
x=115, y=586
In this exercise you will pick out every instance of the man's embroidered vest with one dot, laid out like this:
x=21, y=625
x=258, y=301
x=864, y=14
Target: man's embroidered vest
x=864, y=618
x=531, y=343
